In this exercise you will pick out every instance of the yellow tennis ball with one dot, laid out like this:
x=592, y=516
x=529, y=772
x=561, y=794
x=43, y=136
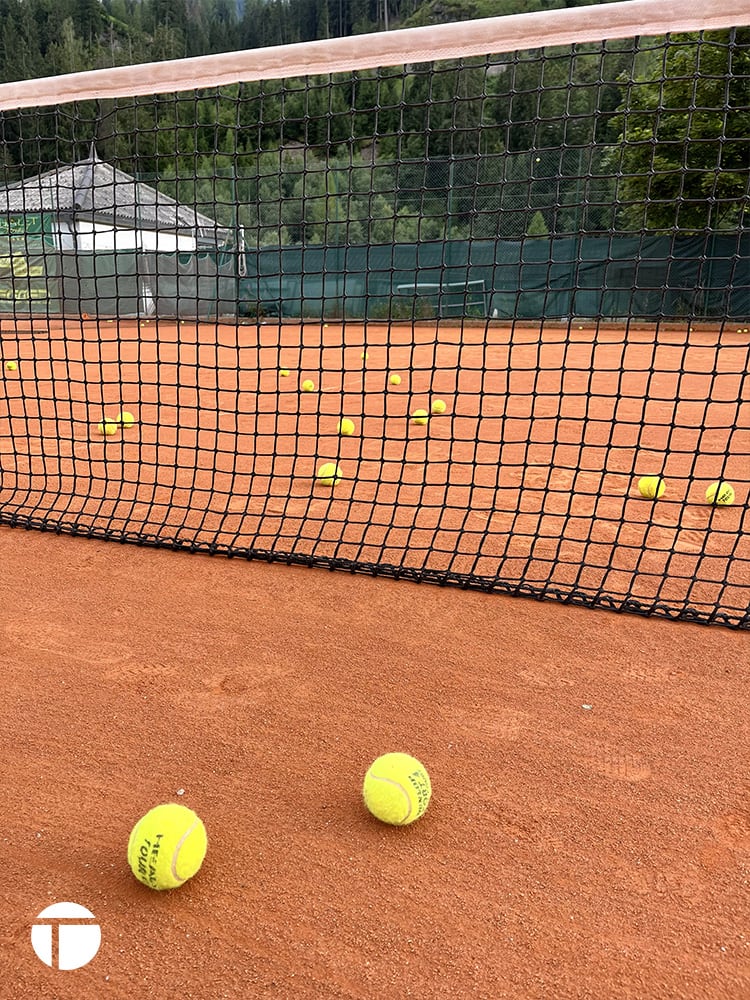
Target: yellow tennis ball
x=308, y=385
x=345, y=426
x=125, y=418
x=438, y=406
x=167, y=846
x=11, y=366
x=397, y=789
x=651, y=487
x=330, y=474
x=107, y=427
x=395, y=380
x=720, y=493
x=284, y=372
x=364, y=356
x=420, y=417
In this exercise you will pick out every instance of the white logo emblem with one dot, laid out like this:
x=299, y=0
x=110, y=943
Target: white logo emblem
x=65, y=936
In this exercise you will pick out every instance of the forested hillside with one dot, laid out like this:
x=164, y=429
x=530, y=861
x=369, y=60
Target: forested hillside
x=45, y=37
x=586, y=139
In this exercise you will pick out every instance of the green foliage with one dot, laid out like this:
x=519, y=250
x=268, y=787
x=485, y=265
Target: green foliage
x=537, y=144
x=537, y=226
x=676, y=147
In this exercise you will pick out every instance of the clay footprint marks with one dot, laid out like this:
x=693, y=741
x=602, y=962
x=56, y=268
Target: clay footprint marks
x=67, y=643
x=487, y=722
x=615, y=762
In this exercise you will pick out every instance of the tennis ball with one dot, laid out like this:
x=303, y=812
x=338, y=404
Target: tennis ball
x=397, y=789
x=395, y=380
x=345, y=426
x=284, y=372
x=125, y=418
x=364, y=356
x=11, y=366
x=720, y=493
x=167, y=846
x=330, y=474
x=651, y=487
x=438, y=406
x=107, y=427
x=420, y=417
x=308, y=385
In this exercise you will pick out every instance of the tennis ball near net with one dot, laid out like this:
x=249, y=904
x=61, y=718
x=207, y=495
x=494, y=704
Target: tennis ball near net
x=167, y=846
x=395, y=380
x=345, y=426
x=308, y=385
x=420, y=417
x=284, y=372
x=107, y=427
x=651, y=487
x=397, y=789
x=329, y=474
x=125, y=418
x=438, y=406
x=720, y=493
x=11, y=366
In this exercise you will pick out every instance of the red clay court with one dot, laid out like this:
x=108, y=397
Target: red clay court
x=527, y=483
x=590, y=825
x=568, y=852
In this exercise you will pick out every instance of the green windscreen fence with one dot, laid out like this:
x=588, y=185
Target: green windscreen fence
x=599, y=277
x=474, y=315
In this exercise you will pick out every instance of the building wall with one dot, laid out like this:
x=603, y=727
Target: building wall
x=87, y=237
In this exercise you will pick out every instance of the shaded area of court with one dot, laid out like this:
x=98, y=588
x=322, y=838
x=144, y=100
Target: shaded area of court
x=526, y=484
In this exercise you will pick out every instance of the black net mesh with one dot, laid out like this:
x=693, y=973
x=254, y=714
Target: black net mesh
x=546, y=252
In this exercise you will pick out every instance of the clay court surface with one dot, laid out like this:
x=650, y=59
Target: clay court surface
x=589, y=834
x=528, y=478
x=568, y=852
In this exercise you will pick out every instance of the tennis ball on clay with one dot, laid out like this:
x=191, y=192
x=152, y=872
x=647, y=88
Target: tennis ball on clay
x=284, y=372
x=345, y=426
x=107, y=427
x=395, y=380
x=651, y=487
x=167, y=846
x=364, y=356
x=125, y=418
x=420, y=417
x=397, y=789
x=308, y=385
x=438, y=406
x=11, y=366
x=720, y=493
x=330, y=474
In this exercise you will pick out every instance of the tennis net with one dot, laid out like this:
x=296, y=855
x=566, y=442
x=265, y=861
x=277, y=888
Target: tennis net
x=533, y=229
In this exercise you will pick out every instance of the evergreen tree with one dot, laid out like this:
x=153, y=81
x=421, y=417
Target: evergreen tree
x=683, y=161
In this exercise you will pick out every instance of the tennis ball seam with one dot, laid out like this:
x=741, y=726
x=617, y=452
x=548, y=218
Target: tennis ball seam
x=404, y=792
x=176, y=853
